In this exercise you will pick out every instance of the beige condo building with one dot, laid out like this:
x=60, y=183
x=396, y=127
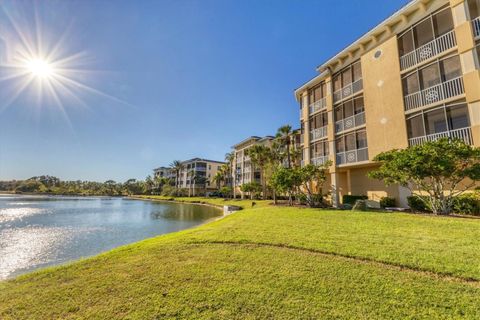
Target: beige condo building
x=243, y=170
x=413, y=78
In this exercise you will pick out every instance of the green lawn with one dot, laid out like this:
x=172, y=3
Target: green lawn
x=271, y=262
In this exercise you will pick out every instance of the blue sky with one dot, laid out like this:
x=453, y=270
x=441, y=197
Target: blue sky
x=195, y=77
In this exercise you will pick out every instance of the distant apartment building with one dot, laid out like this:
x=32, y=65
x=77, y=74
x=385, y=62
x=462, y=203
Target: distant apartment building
x=243, y=169
x=413, y=78
x=164, y=172
x=197, y=176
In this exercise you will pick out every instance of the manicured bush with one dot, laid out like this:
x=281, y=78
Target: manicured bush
x=351, y=199
x=386, y=202
x=416, y=204
x=467, y=204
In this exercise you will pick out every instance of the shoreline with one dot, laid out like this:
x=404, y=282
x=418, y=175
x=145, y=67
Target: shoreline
x=80, y=259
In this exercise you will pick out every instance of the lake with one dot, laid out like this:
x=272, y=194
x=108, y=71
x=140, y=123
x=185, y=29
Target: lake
x=40, y=231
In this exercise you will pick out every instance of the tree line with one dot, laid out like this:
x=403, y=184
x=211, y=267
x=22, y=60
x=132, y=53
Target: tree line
x=46, y=184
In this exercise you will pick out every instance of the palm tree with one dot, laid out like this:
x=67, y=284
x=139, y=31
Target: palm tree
x=177, y=166
x=260, y=156
x=230, y=159
x=219, y=177
x=284, y=136
x=275, y=161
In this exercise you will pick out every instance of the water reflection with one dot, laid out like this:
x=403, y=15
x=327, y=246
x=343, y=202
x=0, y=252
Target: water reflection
x=41, y=231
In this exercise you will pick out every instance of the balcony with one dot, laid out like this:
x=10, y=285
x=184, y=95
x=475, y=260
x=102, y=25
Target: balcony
x=440, y=92
x=476, y=27
x=464, y=134
x=318, y=105
x=318, y=133
x=318, y=161
x=348, y=91
x=428, y=51
x=350, y=122
x=352, y=156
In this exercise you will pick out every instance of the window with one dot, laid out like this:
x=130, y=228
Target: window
x=359, y=105
x=405, y=43
x=340, y=144
x=339, y=113
x=423, y=33
x=415, y=126
x=319, y=149
x=441, y=119
x=317, y=93
x=411, y=84
x=337, y=83
x=347, y=76
x=357, y=71
x=443, y=22
x=435, y=121
x=474, y=8
x=457, y=117
x=451, y=68
x=348, y=109
x=352, y=141
x=430, y=76
x=318, y=121
x=361, y=139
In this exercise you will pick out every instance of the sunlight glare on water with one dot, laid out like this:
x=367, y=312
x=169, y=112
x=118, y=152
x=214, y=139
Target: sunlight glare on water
x=42, y=231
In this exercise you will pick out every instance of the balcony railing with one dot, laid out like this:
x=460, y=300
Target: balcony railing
x=318, y=161
x=476, y=27
x=464, y=134
x=318, y=133
x=348, y=90
x=318, y=105
x=440, y=92
x=350, y=122
x=429, y=50
x=352, y=156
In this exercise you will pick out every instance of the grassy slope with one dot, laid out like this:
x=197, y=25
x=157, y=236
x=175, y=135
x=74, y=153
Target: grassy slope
x=215, y=201
x=224, y=270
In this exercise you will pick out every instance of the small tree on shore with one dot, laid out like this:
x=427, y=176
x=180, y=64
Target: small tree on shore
x=437, y=172
x=307, y=181
x=253, y=188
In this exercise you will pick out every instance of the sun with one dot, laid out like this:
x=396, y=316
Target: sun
x=40, y=68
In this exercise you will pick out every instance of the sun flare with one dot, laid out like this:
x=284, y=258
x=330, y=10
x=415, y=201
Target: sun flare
x=40, y=68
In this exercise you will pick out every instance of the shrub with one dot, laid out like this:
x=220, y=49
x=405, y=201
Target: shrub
x=351, y=199
x=386, y=202
x=467, y=204
x=226, y=191
x=417, y=204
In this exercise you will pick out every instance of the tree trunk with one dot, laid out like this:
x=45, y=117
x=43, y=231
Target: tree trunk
x=288, y=154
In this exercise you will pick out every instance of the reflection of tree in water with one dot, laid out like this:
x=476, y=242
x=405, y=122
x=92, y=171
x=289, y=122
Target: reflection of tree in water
x=183, y=212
